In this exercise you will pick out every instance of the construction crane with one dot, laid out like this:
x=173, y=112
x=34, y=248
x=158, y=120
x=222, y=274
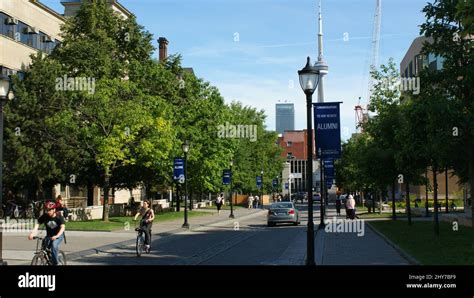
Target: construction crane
x=362, y=115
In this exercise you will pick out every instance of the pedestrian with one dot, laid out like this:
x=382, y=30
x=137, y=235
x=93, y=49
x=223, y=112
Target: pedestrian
x=350, y=204
x=257, y=200
x=250, y=202
x=61, y=208
x=219, y=202
x=339, y=204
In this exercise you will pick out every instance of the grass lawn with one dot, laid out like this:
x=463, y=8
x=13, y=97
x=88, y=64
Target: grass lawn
x=384, y=215
x=226, y=207
x=419, y=240
x=117, y=223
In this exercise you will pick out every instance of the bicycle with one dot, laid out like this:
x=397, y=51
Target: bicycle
x=140, y=243
x=43, y=256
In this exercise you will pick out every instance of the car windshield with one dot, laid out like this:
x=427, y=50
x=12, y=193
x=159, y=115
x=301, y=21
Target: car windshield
x=282, y=205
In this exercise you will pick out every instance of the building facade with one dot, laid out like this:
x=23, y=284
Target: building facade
x=285, y=117
x=295, y=151
x=28, y=27
x=412, y=63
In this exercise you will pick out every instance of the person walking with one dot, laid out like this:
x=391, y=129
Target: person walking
x=339, y=204
x=219, y=202
x=350, y=204
x=256, y=201
x=61, y=208
x=250, y=202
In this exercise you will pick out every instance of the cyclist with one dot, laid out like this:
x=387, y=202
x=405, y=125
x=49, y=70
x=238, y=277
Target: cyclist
x=146, y=222
x=55, y=227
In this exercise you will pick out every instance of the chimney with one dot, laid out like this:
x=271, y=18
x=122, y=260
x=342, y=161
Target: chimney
x=163, y=42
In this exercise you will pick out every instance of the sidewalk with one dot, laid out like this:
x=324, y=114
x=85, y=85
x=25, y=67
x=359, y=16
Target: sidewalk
x=349, y=249
x=19, y=251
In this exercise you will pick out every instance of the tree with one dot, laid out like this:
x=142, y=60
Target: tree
x=448, y=27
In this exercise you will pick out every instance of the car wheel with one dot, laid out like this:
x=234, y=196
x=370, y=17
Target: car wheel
x=270, y=224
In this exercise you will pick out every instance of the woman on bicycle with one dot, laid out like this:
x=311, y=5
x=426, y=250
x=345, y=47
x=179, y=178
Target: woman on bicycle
x=55, y=227
x=146, y=222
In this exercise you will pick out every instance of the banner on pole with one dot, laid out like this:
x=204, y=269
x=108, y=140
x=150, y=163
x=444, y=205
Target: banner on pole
x=178, y=170
x=327, y=124
x=259, y=181
x=226, y=176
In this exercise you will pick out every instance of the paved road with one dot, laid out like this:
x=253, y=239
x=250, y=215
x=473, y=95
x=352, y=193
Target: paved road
x=213, y=240
x=245, y=241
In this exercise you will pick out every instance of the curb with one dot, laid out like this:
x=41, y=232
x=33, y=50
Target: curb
x=403, y=253
x=165, y=234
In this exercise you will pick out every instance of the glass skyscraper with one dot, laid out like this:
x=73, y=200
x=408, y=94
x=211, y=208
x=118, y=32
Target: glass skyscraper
x=285, y=117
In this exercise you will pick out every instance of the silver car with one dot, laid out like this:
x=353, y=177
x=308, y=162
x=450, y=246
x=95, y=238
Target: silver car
x=283, y=212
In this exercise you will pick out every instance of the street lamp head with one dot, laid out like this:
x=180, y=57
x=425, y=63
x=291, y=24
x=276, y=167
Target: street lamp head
x=231, y=163
x=6, y=90
x=261, y=172
x=185, y=146
x=309, y=78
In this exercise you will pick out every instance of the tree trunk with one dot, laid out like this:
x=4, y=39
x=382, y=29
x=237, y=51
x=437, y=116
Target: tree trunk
x=407, y=187
x=394, y=208
x=380, y=201
x=447, y=194
x=435, y=197
x=105, y=215
x=471, y=192
x=90, y=194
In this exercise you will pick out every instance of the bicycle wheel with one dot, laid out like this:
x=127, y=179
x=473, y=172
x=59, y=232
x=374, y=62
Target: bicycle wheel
x=39, y=260
x=62, y=258
x=140, y=244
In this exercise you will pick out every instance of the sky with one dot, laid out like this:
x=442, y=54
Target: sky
x=251, y=50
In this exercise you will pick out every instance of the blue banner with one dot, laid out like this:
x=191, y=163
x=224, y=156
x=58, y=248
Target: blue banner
x=327, y=124
x=275, y=182
x=259, y=181
x=178, y=172
x=287, y=185
x=226, y=176
x=328, y=169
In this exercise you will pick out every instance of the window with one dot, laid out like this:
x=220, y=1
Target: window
x=289, y=155
x=289, y=144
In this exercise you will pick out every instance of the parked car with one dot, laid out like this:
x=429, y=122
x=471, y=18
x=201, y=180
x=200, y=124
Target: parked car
x=283, y=212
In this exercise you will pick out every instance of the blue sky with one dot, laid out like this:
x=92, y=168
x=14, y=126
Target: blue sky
x=252, y=49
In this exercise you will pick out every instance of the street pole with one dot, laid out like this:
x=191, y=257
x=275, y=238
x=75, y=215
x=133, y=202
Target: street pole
x=309, y=181
x=231, y=192
x=2, y=104
x=185, y=224
x=426, y=194
x=321, y=211
x=261, y=197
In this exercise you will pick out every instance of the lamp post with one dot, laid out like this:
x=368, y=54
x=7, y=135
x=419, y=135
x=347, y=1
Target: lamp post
x=231, y=191
x=185, y=148
x=261, y=197
x=309, y=80
x=6, y=93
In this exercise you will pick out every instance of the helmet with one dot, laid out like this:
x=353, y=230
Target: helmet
x=49, y=205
